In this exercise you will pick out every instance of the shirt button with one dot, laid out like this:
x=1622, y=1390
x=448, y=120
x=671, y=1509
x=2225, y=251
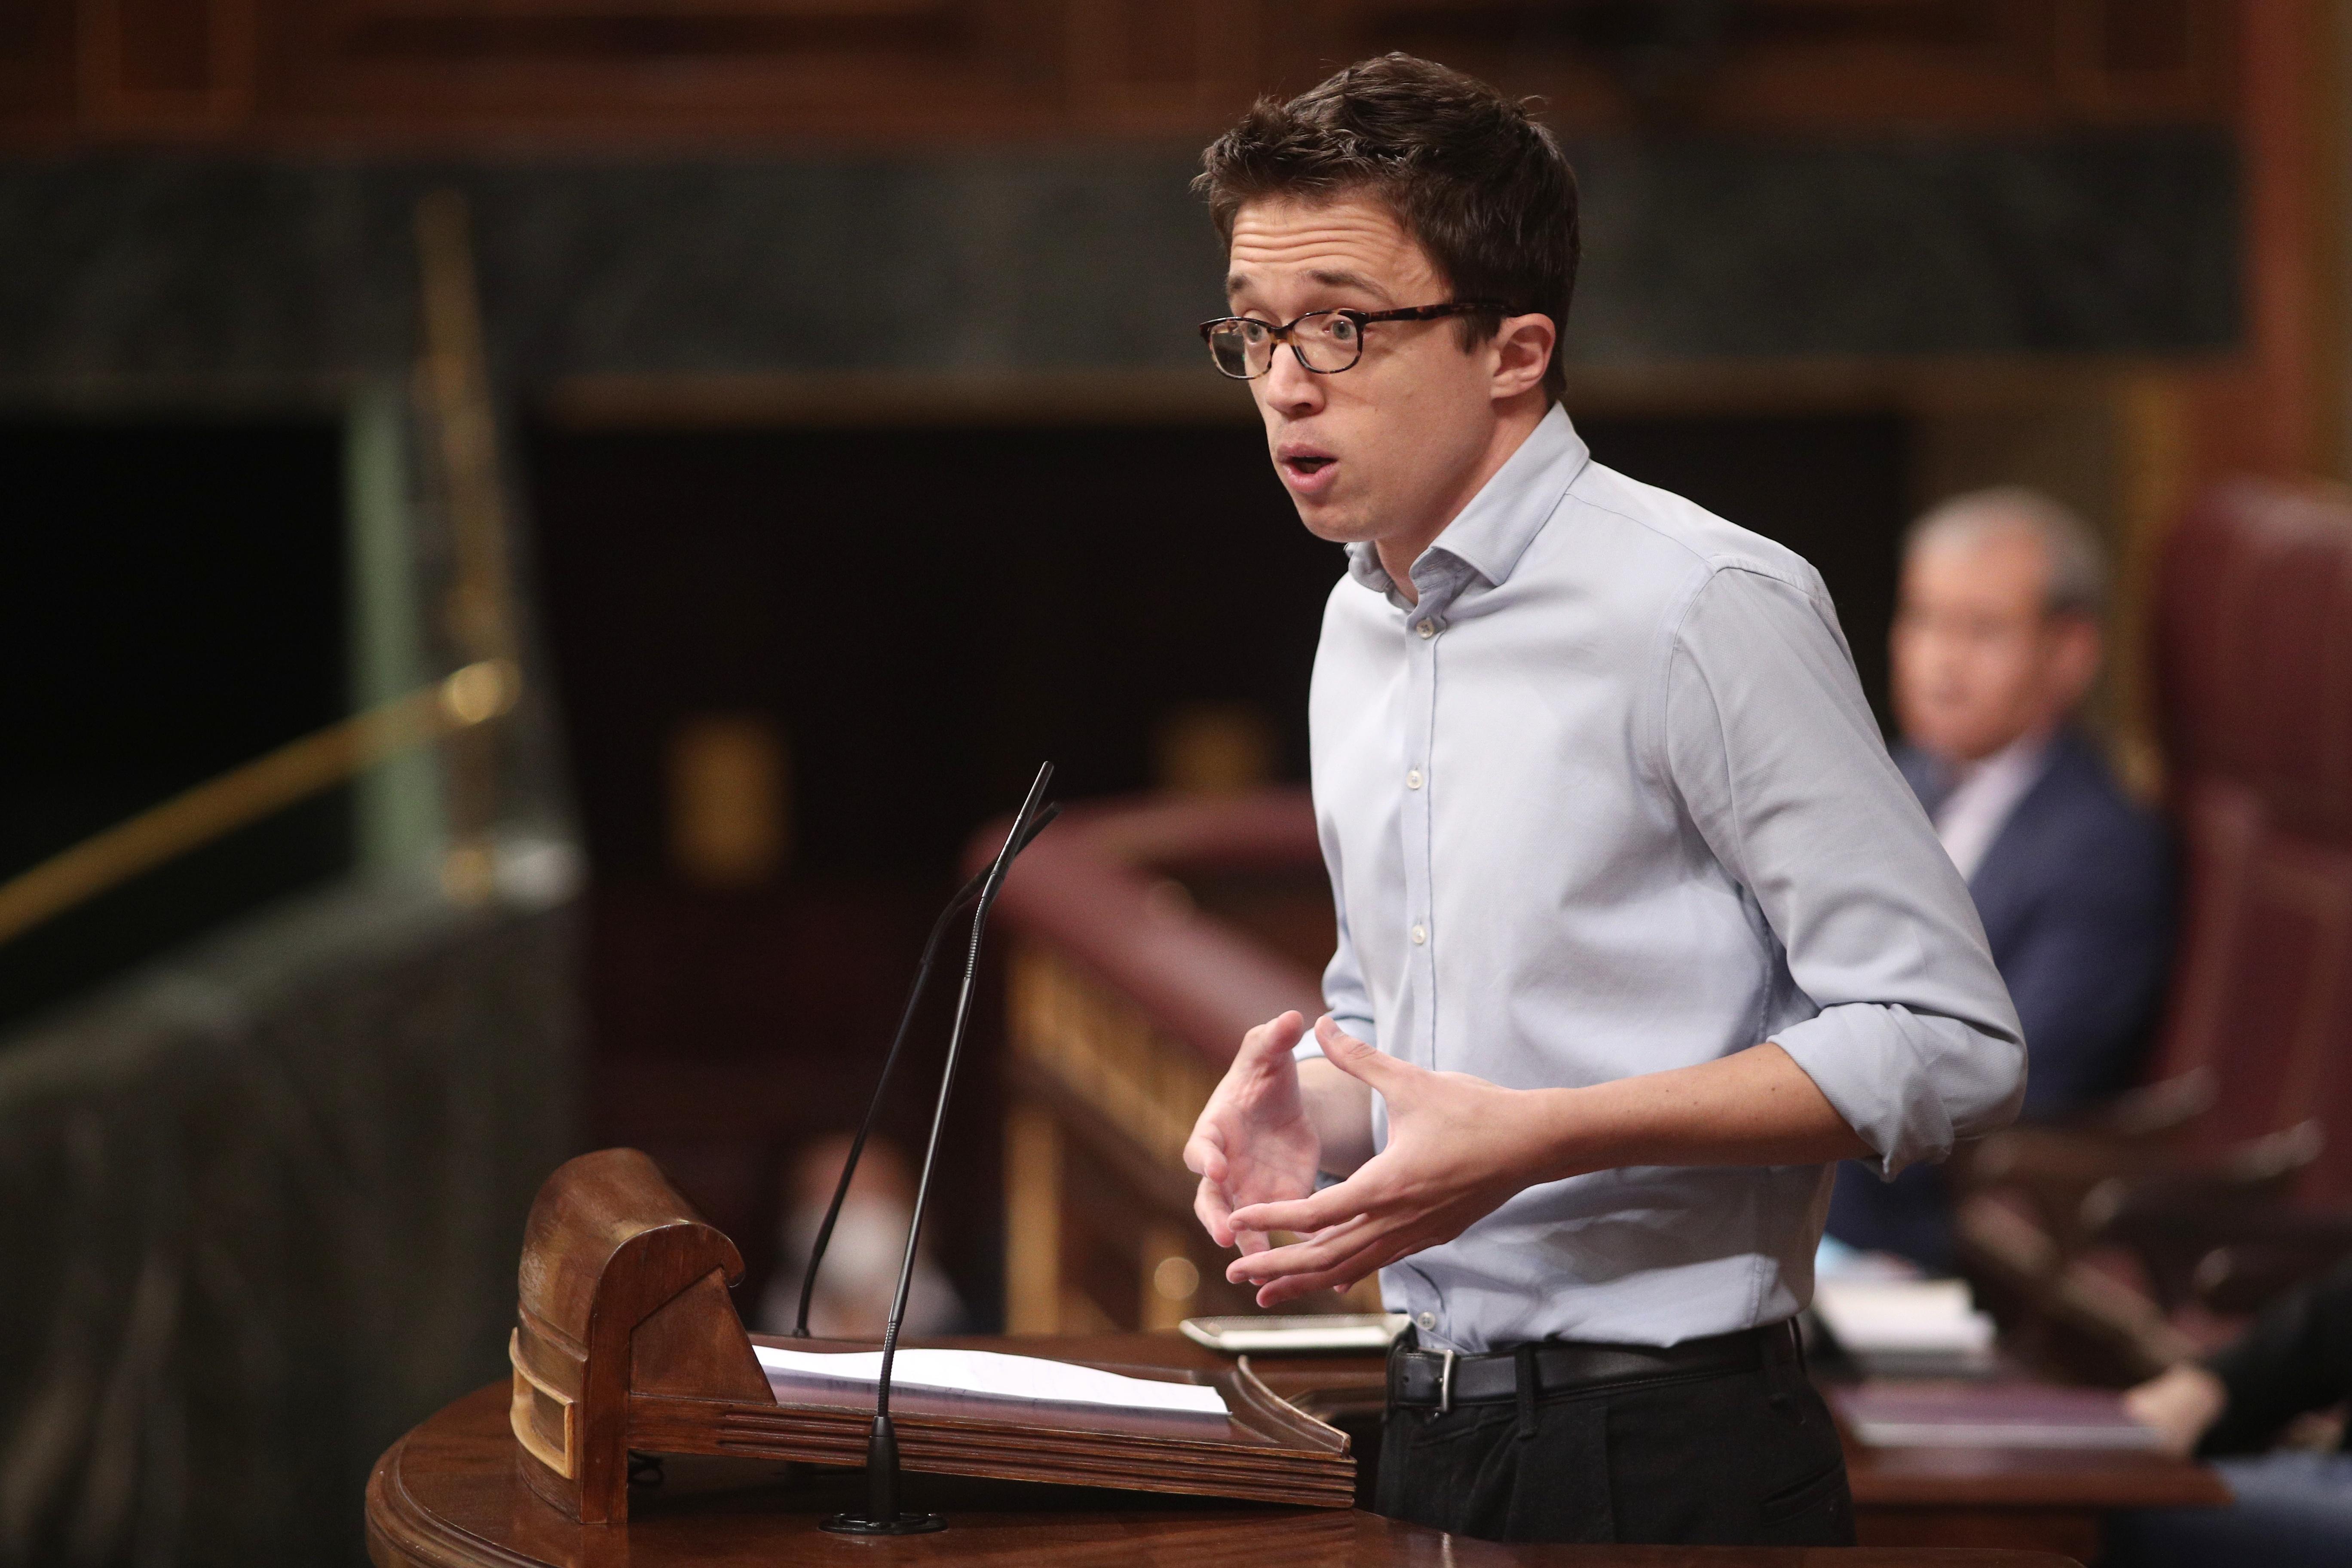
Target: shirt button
x=1420, y=935
x=1413, y=779
x=1425, y=1320
x=1427, y=629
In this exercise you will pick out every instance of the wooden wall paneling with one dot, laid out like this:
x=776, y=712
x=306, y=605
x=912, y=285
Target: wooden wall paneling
x=1148, y=66
x=36, y=62
x=431, y=73
x=2276, y=407
x=2152, y=437
x=2145, y=58
x=2275, y=404
x=607, y=69
x=1829, y=64
x=168, y=68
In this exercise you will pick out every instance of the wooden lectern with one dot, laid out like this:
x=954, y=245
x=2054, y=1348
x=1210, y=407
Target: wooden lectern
x=625, y=1339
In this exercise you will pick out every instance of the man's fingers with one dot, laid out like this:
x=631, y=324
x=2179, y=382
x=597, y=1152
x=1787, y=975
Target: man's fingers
x=1338, y=1277
x=1366, y=1254
x=1359, y=1194
x=1308, y=1213
x=1366, y=1260
x=1291, y=1287
x=1215, y=1215
x=1357, y=1058
x=1318, y=1251
x=1204, y=1156
x=1276, y=1037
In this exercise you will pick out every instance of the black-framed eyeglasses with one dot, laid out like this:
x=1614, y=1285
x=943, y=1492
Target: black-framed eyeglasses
x=1326, y=341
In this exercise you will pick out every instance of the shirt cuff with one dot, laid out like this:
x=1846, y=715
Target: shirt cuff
x=1894, y=1074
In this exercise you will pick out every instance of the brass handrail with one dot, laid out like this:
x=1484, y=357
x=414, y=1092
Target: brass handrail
x=466, y=699
x=456, y=409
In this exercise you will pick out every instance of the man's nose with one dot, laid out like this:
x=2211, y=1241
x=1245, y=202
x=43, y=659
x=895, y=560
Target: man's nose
x=1290, y=385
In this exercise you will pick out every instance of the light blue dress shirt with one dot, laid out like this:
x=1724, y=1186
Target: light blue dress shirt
x=1607, y=801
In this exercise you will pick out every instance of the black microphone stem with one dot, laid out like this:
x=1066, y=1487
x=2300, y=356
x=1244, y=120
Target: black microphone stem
x=874, y=1105
x=882, y=1516
x=988, y=892
x=969, y=891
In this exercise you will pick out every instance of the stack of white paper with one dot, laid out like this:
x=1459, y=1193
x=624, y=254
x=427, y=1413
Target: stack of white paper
x=1922, y=1327
x=992, y=1374
x=1944, y=1415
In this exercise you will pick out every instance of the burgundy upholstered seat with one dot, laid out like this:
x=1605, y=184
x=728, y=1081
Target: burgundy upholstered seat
x=2254, y=659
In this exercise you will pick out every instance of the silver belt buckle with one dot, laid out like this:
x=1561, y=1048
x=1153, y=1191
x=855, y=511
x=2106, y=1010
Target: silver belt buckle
x=1446, y=1384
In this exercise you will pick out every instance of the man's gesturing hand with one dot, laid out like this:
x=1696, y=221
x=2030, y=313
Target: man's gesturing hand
x=1458, y=1146
x=1253, y=1144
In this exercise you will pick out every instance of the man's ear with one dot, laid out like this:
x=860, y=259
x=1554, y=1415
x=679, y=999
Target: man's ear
x=1523, y=349
x=2075, y=648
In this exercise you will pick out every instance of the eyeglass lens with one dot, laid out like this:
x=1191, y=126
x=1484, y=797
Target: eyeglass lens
x=1326, y=341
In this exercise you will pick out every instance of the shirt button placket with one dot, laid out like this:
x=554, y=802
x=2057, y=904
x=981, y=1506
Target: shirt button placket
x=1419, y=834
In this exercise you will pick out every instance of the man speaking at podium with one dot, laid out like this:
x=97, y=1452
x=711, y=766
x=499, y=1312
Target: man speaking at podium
x=1639, y=928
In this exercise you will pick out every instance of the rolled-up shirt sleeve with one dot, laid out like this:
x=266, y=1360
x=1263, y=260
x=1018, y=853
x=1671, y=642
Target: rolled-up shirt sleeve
x=1775, y=756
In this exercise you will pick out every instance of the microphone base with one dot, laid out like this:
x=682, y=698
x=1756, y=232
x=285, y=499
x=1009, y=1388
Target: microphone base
x=898, y=1524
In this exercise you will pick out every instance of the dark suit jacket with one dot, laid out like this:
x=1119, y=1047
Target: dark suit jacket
x=2075, y=893
x=2296, y=1357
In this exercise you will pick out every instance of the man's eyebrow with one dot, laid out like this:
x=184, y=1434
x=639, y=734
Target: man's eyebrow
x=1330, y=279
x=1344, y=279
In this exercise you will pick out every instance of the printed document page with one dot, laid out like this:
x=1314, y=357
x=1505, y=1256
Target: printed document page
x=993, y=1375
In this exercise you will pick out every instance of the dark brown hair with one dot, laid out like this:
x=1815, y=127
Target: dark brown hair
x=1481, y=186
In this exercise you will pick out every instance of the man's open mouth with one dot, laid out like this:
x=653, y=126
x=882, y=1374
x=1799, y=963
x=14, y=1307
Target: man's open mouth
x=1305, y=464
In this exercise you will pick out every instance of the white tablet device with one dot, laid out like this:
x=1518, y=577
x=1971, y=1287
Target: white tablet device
x=1295, y=1333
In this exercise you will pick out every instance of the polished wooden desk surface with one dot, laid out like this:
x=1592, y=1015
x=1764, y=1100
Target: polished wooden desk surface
x=448, y=1496
x=1342, y=1385
x=2043, y=1498
x=2038, y=1499
x=2028, y=1477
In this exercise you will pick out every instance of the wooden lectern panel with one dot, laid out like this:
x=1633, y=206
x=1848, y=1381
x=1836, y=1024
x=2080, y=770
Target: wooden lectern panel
x=625, y=1340
x=610, y=1249
x=448, y=1496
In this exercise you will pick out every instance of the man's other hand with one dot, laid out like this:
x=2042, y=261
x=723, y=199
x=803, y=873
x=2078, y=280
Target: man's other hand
x=1457, y=1148
x=2181, y=1403
x=1255, y=1142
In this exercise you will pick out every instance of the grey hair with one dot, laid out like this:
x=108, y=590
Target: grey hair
x=2078, y=564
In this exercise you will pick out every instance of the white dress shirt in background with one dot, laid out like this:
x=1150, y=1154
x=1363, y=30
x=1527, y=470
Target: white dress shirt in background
x=1607, y=801
x=1969, y=819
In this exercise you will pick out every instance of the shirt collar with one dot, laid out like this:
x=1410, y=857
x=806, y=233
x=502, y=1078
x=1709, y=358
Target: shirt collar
x=2018, y=762
x=1501, y=521
x=2004, y=775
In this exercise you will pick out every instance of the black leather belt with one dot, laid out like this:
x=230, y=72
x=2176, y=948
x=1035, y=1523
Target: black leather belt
x=1440, y=1380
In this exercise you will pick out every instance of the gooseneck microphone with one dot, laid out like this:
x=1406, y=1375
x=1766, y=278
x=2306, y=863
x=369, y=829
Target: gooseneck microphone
x=882, y=1515
x=956, y=906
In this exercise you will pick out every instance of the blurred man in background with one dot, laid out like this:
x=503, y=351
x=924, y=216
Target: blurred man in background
x=1996, y=643
x=860, y=1276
